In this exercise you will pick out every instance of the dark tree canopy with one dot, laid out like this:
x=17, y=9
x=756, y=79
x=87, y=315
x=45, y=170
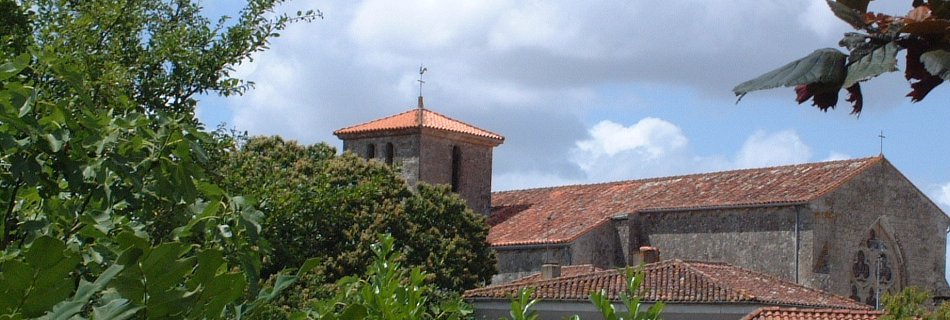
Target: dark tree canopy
x=319, y=204
x=924, y=32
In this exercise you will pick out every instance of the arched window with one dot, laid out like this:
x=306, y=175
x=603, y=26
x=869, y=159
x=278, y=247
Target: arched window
x=370, y=151
x=876, y=267
x=390, y=153
x=456, y=167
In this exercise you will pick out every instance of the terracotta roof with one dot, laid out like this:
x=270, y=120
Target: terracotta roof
x=421, y=118
x=561, y=214
x=677, y=281
x=779, y=313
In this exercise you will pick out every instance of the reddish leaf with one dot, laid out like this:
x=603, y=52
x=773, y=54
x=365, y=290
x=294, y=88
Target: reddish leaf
x=932, y=26
x=823, y=96
x=802, y=93
x=856, y=99
x=916, y=70
x=922, y=88
x=918, y=14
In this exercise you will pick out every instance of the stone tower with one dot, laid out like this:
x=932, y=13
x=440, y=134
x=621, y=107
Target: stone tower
x=430, y=147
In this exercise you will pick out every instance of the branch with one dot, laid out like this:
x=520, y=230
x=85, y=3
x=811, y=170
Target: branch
x=9, y=219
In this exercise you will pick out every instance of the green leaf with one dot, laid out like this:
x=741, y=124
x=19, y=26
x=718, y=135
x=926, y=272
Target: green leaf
x=879, y=61
x=937, y=62
x=822, y=66
x=854, y=16
x=354, y=311
x=68, y=308
x=117, y=309
x=55, y=144
x=12, y=68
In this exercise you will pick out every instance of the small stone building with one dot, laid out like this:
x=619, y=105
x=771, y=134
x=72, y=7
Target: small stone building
x=690, y=290
x=854, y=228
x=430, y=147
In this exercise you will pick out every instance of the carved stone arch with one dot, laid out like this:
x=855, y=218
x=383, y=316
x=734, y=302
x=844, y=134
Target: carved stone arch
x=877, y=263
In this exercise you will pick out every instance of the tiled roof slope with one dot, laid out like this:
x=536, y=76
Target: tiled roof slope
x=412, y=119
x=779, y=313
x=566, y=271
x=561, y=214
x=677, y=281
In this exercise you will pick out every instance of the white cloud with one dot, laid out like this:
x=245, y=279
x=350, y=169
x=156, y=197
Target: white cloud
x=820, y=20
x=943, y=195
x=650, y=136
x=764, y=149
x=834, y=156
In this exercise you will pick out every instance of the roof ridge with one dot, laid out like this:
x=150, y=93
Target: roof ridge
x=539, y=283
x=460, y=121
x=741, y=292
x=873, y=160
x=653, y=179
x=374, y=120
x=786, y=282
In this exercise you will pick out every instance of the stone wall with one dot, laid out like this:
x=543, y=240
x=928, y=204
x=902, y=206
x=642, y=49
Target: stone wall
x=911, y=228
x=761, y=239
x=518, y=261
x=436, y=150
x=405, y=147
x=426, y=155
x=601, y=246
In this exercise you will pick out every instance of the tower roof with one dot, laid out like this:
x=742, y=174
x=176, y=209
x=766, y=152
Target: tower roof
x=419, y=118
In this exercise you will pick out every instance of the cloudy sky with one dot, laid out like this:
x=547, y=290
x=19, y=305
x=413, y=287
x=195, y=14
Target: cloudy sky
x=586, y=91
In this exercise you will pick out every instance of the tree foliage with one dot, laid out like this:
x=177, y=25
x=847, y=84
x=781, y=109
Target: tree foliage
x=924, y=32
x=913, y=304
x=319, y=204
x=387, y=291
x=106, y=208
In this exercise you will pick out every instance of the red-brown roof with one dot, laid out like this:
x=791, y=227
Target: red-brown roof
x=418, y=118
x=779, y=313
x=677, y=281
x=561, y=214
x=566, y=271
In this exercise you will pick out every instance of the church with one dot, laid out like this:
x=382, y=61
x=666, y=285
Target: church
x=854, y=228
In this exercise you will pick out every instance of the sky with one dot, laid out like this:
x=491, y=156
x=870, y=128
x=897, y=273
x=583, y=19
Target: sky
x=586, y=91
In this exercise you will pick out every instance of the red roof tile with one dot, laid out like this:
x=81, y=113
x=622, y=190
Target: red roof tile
x=677, y=281
x=418, y=118
x=561, y=214
x=779, y=313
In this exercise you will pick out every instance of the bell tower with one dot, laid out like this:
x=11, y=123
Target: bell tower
x=427, y=146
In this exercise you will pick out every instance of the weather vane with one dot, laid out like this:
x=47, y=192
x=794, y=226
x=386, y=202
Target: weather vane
x=422, y=70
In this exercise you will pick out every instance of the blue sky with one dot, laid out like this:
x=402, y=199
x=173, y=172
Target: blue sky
x=586, y=91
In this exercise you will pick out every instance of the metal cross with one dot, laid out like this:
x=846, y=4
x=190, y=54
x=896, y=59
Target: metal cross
x=882, y=141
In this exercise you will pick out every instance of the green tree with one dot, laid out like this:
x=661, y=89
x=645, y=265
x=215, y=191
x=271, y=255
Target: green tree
x=106, y=209
x=319, y=204
x=387, y=291
x=912, y=304
x=924, y=33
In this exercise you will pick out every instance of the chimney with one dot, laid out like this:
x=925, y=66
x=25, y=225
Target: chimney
x=649, y=254
x=550, y=271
